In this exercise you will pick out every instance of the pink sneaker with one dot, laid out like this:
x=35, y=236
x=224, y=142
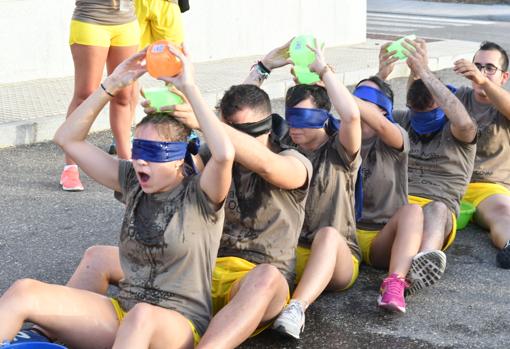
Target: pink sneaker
x=70, y=179
x=392, y=293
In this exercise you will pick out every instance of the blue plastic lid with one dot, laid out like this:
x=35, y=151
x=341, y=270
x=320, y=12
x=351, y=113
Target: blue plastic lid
x=32, y=345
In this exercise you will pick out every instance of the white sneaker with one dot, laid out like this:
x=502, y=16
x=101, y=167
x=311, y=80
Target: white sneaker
x=291, y=320
x=426, y=268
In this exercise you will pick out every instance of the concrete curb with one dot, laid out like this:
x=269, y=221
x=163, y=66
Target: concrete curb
x=42, y=129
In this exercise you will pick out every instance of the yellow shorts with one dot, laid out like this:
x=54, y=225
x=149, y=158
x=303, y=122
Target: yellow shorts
x=121, y=313
x=158, y=20
x=302, y=255
x=365, y=239
x=477, y=192
x=227, y=272
x=422, y=202
x=91, y=34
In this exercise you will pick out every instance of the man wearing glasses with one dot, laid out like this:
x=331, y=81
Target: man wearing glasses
x=489, y=104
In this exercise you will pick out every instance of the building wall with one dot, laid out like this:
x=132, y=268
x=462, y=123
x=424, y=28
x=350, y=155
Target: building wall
x=34, y=33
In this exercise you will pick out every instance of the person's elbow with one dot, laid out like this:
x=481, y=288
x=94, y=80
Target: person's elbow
x=466, y=128
x=466, y=124
x=225, y=155
x=353, y=117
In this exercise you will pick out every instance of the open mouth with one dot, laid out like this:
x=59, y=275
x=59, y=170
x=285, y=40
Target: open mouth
x=144, y=177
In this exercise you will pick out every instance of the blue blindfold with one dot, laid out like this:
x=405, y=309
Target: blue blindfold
x=425, y=122
x=155, y=151
x=429, y=121
x=376, y=97
x=306, y=117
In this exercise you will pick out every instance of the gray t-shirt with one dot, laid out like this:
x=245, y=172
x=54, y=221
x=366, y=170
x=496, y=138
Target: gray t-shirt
x=439, y=166
x=168, y=247
x=492, y=163
x=104, y=12
x=330, y=199
x=384, y=173
x=262, y=221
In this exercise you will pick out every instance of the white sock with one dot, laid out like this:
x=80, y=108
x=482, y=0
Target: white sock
x=303, y=304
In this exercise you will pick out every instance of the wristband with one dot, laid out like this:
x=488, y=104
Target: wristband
x=263, y=67
x=106, y=91
x=262, y=71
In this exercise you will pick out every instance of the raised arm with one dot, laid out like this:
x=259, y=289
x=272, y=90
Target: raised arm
x=71, y=135
x=349, y=134
x=462, y=126
x=257, y=157
x=282, y=171
x=276, y=58
x=496, y=93
x=374, y=117
x=217, y=173
x=386, y=62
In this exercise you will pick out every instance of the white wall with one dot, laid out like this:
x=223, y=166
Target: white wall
x=34, y=33
x=34, y=38
x=229, y=28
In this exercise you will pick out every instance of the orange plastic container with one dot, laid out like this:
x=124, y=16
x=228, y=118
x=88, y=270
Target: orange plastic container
x=160, y=61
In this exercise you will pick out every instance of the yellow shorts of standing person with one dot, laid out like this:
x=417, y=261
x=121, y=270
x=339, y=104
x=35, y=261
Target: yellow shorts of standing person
x=91, y=34
x=158, y=20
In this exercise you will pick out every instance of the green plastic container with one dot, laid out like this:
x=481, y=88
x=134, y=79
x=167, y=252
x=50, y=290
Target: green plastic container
x=161, y=96
x=302, y=57
x=466, y=212
x=397, y=46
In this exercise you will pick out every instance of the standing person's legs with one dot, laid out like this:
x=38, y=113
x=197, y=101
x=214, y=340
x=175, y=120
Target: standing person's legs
x=89, y=62
x=79, y=318
x=254, y=300
x=142, y=15
x=121, y=115
x=166, y=21
x=150, y=326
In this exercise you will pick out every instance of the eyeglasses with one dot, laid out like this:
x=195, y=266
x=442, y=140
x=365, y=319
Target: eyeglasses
x=490, y=69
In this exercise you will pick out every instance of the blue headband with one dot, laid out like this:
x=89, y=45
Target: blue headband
x=426, y=122
x=155, y=151
x=306, y=117
x=375, y=96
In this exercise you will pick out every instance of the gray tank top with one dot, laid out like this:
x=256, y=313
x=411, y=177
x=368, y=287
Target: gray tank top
x=104, y=12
